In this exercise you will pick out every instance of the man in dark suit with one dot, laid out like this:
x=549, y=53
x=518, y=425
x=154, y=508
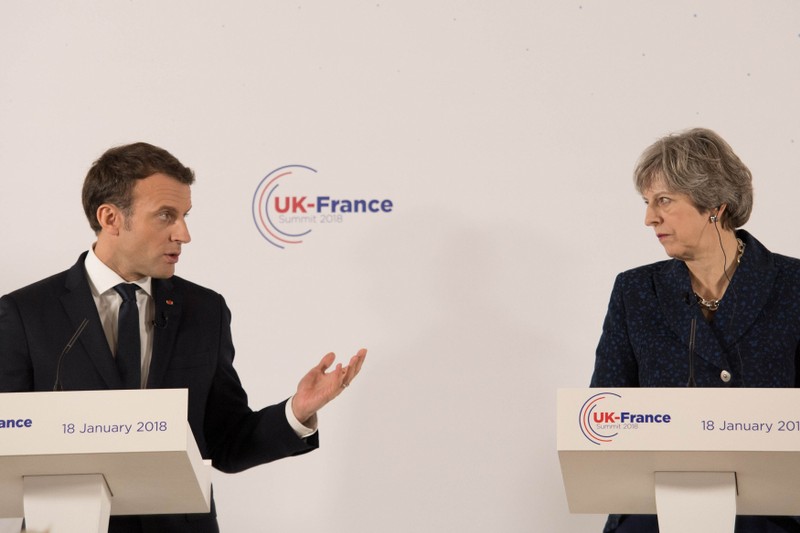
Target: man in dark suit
x=136, y=198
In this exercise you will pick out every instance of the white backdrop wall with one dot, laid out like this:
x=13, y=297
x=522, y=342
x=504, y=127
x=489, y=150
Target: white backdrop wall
x=504, y=132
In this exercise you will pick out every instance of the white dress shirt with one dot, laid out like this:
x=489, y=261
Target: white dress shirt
x=102, y=281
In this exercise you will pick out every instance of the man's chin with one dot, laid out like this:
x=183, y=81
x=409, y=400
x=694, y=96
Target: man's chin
x=164, y=273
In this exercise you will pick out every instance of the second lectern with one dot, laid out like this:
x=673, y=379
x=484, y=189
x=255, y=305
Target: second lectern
x=696, y=457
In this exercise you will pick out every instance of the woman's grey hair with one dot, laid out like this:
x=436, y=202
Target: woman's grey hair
x=701, y=165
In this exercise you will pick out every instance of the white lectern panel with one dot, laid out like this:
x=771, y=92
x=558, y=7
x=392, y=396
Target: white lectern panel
x=139, y=440
x=611, y=443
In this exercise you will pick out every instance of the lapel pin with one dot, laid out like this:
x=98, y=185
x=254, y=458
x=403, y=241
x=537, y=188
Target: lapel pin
x=170, y=302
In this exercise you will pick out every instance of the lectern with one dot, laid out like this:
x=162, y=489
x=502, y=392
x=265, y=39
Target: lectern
x=68, y=460
x=695, y=457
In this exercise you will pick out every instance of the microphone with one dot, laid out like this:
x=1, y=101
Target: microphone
x=692, y=330
x=161, y=322
x=57, y=384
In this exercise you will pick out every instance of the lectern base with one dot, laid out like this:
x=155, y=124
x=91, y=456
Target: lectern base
x=66, y=504
x=695, y=502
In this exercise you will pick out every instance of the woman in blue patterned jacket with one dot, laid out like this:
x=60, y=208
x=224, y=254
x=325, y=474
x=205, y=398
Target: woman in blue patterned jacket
x=743, y=298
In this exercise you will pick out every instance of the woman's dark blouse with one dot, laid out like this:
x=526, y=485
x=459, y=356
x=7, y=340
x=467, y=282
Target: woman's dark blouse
x=754, y=336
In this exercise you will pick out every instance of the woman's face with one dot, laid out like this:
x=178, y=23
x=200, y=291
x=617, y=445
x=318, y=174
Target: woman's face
x=685, y=232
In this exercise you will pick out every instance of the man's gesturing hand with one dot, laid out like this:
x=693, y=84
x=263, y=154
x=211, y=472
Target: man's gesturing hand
x=319, y=387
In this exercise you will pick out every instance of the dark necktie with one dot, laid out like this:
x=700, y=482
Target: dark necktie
x=128, y=344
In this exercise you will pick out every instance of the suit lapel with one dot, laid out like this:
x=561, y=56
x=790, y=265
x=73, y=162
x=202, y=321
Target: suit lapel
x=79, y=304
x=748, y=293
x=743, y=301
x=675, y=296
x=168, y=309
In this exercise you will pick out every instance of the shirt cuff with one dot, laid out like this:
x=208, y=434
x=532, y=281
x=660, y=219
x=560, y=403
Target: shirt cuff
x=301, y=430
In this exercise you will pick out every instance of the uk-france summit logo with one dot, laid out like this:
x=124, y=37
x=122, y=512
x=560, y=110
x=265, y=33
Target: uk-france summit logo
x=289, y=204
x=603, y=418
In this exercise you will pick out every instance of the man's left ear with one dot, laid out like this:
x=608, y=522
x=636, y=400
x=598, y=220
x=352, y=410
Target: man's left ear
x=110, y=219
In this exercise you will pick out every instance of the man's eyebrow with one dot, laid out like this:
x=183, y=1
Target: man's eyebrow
x=168, y=207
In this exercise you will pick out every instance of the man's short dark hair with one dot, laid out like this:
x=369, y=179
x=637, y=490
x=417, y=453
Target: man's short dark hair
x=111, y=178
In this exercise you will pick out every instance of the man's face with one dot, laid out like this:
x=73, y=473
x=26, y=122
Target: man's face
x=150, y=239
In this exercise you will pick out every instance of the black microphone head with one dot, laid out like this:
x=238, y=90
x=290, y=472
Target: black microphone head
x=160, y=322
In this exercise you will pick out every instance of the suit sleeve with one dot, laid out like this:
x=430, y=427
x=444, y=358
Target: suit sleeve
x=237, y=437
x=16, y=372
x=797, y=366
x=615, y=361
